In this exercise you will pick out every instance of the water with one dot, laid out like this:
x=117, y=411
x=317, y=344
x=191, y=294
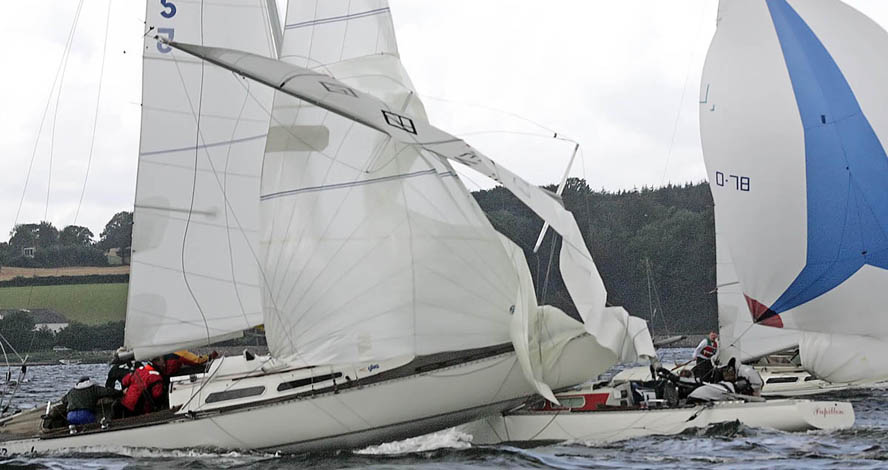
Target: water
x=865, y=446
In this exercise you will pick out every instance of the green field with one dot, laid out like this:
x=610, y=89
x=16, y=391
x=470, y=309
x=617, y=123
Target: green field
x=92, y=304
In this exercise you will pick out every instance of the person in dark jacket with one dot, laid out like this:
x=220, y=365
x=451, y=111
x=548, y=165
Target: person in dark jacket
x=80, y=402
x=117, y=373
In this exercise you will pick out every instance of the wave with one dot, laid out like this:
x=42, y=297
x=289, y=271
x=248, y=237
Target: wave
x=447, y=439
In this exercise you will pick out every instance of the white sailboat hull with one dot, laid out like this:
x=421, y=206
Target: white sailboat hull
x=350, y=418
x=353, y=417
x=609, y=426
x=778, y=381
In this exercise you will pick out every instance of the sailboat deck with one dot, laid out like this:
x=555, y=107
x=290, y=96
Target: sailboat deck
x=28, y=423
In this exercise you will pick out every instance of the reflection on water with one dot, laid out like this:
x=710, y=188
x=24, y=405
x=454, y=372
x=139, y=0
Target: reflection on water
x=725, y=446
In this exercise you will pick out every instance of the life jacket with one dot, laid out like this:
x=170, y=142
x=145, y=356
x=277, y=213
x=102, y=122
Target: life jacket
x=144, y=388
x=710, y=349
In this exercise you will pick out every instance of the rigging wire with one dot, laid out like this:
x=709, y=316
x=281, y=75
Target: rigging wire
x=58, y=79
x=684, y=89
x=55, y=81
x=55, y=113
x=92, y=141
x=501, y=111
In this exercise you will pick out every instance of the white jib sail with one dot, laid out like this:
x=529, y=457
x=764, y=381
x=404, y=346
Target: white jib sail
x=195, y=235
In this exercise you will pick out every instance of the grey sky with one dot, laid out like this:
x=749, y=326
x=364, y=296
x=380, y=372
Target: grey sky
x=619, y=76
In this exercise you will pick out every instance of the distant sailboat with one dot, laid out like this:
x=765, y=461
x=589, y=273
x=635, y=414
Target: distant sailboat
x=328, y=211
x=793, y=123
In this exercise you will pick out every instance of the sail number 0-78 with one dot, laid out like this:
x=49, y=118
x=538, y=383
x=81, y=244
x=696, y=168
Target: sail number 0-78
x=739, y=183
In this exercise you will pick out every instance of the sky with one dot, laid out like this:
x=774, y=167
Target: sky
x=621, y=77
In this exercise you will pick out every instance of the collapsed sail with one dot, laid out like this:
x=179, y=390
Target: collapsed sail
x=372, y=247
x=610, y=327
x=195, y=236
x=793, y=124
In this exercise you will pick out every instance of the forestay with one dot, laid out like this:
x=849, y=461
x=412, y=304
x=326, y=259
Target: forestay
x=793, y=124
x=610, y=327
x=194, y=277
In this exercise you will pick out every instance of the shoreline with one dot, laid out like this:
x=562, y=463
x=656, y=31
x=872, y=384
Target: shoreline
x=54, y=358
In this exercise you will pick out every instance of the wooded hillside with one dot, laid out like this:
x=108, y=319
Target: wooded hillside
x=671, y=228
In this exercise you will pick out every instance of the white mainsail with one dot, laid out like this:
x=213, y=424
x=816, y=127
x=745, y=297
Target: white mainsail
x=195, y=236
x=793, y=126
x=379, y=219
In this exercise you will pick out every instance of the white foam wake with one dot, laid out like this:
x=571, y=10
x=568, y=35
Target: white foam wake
x=448, y=438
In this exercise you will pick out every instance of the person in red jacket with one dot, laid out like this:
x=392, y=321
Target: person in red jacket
x=144, y=389
x=178, y=363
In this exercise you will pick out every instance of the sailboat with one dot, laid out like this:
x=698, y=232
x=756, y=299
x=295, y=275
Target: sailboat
x=288, y=176
x=782, y=86
x=792, y=121
x=793, y=127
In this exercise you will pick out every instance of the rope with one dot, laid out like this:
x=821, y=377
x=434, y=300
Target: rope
x=64, y=60
x=197, y=140
x=92, y=142
x=55, y=113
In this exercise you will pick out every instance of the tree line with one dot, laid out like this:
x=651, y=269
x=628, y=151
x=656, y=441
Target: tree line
x=73, y=245
x=18, y=331
x=654, y=248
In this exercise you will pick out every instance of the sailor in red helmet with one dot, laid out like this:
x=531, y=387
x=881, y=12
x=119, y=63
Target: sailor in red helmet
x=706, y=350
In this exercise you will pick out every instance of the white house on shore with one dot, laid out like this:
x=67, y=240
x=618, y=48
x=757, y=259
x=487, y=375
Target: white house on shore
x=43, y=318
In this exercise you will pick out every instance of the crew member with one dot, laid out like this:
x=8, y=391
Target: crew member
x=704, y=353
x=178, y=363
x=117, y=373
x=81, y=401
x=144, y=389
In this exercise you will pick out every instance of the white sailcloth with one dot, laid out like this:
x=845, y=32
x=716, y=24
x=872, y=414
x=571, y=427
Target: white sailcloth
x=397, y=174
x=739, y=336
x=194, y=277
x=794, y=128
x=373, y=248
x=610, y=327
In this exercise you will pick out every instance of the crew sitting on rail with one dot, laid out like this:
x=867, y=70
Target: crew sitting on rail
x=706, y=350
x=82, y=401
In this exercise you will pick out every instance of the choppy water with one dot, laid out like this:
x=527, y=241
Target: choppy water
x=728, y=446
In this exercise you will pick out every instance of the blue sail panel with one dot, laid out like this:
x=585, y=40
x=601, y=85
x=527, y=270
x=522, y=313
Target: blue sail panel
x=846, y=168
